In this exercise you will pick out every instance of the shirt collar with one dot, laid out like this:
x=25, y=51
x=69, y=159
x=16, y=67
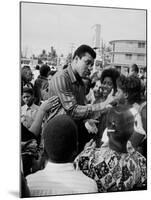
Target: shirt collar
x=71, y=74
x=74, y=76
x=59, y=166
x=32, y=107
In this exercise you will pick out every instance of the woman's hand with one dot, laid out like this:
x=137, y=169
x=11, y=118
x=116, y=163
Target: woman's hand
x=111, y=99
x=91, y=126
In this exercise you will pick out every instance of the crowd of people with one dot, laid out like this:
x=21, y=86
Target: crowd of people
x=82, y=132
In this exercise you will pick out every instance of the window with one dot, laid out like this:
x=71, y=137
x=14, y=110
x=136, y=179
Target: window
x=128, y=56
x=141, y=45
x=140, y=57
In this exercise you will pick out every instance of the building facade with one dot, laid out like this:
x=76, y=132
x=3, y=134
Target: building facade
x=127, y=52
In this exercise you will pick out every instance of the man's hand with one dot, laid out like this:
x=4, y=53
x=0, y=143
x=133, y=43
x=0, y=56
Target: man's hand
x=50, y=104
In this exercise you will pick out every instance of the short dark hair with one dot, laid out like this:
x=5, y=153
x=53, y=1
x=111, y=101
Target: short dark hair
x=60, y=139
x=81, y=50
x=122, y=83
x=37, y=67
x=113, y=74
x=28, y=90
x=135, y=68
x=133, y=89
x=44, y=69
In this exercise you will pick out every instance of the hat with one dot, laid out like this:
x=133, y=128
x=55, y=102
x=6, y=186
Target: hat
x=120, y=122
x=60, y=138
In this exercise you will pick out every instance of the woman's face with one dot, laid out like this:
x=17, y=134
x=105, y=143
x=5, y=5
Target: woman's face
x=107, y=86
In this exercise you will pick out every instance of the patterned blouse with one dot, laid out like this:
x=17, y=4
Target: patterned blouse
x=113, y=171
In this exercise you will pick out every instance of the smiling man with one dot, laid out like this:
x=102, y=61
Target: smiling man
x=70, y=88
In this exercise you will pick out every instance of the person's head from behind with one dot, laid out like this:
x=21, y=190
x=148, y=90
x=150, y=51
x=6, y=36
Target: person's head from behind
x=134, y=70
x=120, y=124
x=28, y=96
x=37, y=67
x=108, y=81
x=60, y=139
x=133, y=90
x=122, y=88
x=26, y=73
x=83, y=60
x=51, y=74
x=44, y=70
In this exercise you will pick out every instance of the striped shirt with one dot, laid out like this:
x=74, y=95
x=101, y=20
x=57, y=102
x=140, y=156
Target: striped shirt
x=71, y=91
x=59, y=179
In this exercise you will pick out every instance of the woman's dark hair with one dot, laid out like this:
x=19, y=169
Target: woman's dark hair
x=113, y=74
x=122, y=83
x=44, y=69
x=80, y=51
x=133, y=89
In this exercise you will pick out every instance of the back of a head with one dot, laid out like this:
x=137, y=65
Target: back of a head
x=60, y=139
x=120, y=121
x=133, y=89
x=81, y=50
x=112, y=73
x=37, y=67
x=122, y=83
x=135, y=68
x=44, y=69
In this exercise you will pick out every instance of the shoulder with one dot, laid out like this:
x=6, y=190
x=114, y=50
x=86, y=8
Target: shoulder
x=88, y=184
x=62, y=74
x=34, y=179
x=24, y=107
x=61, y=79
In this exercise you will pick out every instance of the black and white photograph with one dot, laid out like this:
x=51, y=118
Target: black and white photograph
x=83, y=99
x=75, y=99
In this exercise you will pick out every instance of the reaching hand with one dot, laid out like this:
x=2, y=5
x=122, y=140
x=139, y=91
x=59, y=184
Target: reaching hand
x=50, y=104
x=110, y=98
x=91, y=126
x=113, y=98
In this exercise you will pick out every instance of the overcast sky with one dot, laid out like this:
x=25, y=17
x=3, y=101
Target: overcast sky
x=46, y=25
